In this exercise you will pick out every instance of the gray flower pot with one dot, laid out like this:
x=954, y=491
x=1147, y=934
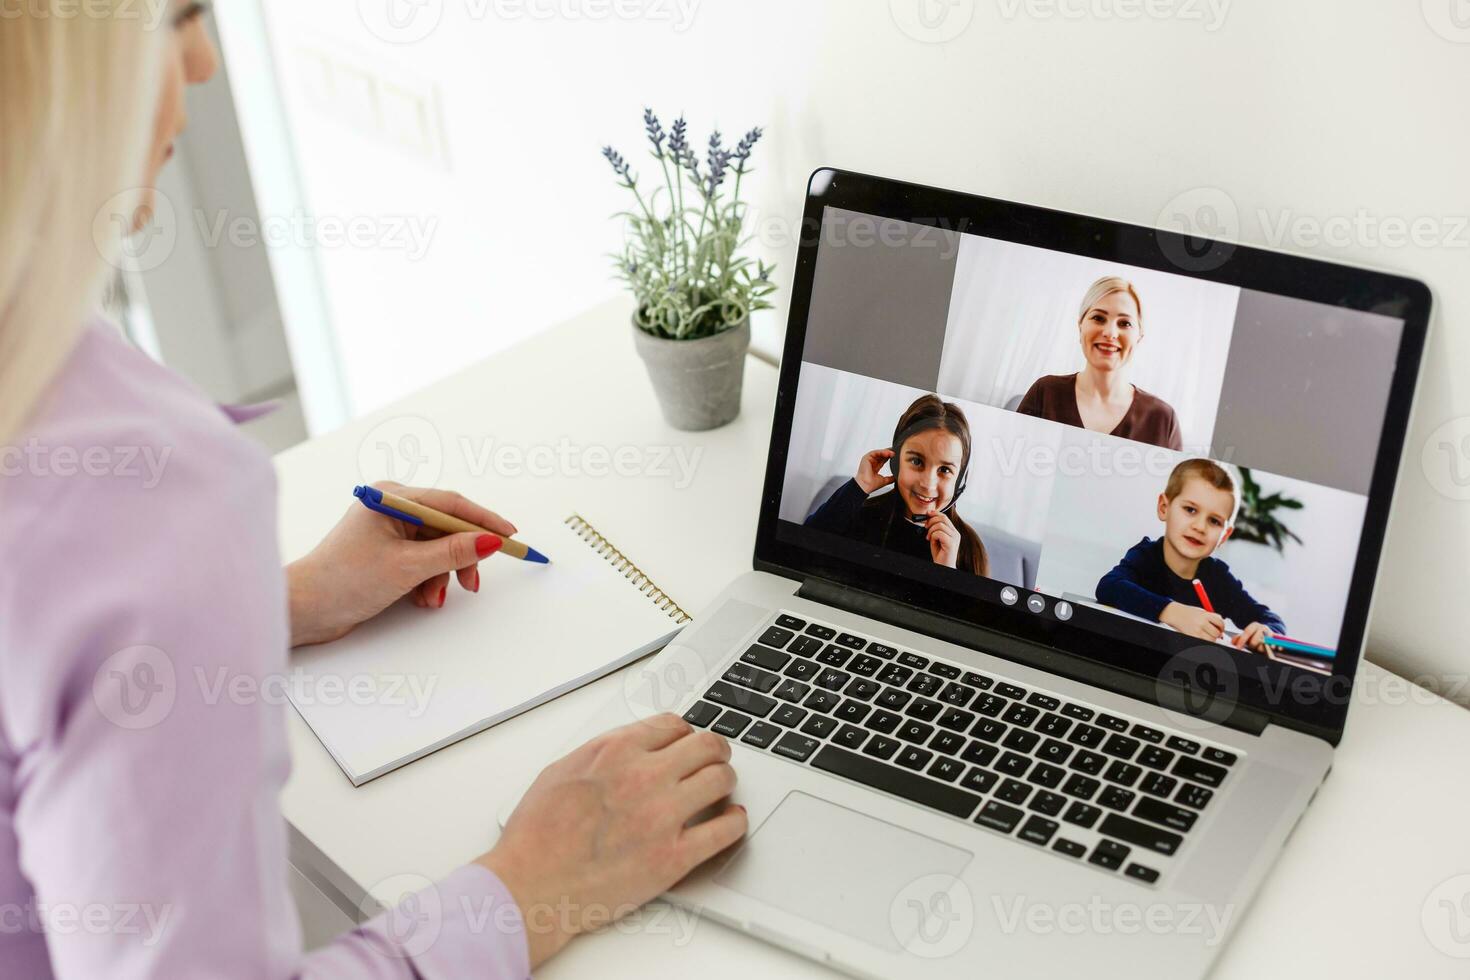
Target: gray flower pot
x=697, y=381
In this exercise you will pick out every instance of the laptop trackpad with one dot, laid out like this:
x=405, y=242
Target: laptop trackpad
x=845, y=870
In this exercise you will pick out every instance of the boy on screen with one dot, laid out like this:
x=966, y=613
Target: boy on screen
x=1155, y=580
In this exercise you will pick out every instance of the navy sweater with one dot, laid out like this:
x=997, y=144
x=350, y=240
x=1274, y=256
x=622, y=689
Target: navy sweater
x=1143, y=584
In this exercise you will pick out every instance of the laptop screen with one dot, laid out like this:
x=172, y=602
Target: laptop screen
x=1142, y=450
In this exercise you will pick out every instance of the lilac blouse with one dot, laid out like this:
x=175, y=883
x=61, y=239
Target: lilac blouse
x=142, y=602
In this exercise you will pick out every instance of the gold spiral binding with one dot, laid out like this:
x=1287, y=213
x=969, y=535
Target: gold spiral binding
x=584, y=530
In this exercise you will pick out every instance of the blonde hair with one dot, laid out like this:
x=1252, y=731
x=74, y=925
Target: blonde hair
x=1106, y=286
x=1211, y=472
x=78, y=87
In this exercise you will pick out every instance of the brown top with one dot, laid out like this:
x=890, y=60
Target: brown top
x=1149, y=419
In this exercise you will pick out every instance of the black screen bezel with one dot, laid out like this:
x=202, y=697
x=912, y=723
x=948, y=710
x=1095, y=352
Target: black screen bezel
x=1311, y=702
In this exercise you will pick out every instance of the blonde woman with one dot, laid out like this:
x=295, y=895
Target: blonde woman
x=1100, y=397
x=129, y=795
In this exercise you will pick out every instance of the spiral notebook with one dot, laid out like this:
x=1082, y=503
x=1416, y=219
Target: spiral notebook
x=413, y=680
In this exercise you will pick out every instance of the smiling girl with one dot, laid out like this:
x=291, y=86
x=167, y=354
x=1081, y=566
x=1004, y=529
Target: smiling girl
x=1101, y=397
x=930, y=456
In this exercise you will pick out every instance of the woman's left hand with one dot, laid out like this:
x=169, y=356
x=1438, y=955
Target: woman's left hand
x=368, y=562
x=944, y=540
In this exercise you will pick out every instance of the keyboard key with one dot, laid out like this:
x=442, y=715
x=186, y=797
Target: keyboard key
x=1224, y=758
x=805, y=646
x=975, y=680
x=1038, y=830
x=979, y=753
x=1148, y=875
x=1155, y=757
x=1080, y=786
x=1054, y=726
x=1020, y=714
x=852, y=711
x=883, y=721
x=761, y=735
x=746, y=700
x=1146, y=734
x=1115, y=798
x=1054, y=752
x=1013, y=791
x=731, y=724
x=821, y=701
x=821, y=632
x=955, y=719
x=1087, y=762
x=990, y=705
x=882, y=650
x=913, y=757
x=880, y=747
x=911, y=786
x=979, y=780
x=776, y=637
x=834, y=656
x=924, y=710
x=1141, y=834
x=789, y=622
x=1010, y=691
x=1109, y=854
x=863, y=689
x=1047, y=775
x=1157, y=784
x=850, y=641
x=957, y=694
x=949, y=743
x=1013, y=764
x=1112, y=721
x=752, y=677
x=802, y=670
x=701, y=714
x=1068, y=847
x=766, y=657
x=1021, y=740
x=1082, y=814
x=790, y=690
x=1043, y=701
x=913, y=660
x=895, y=675
x=833, y=679
x=1200, y=772
x=915, y=731
x=789, y=715
x=947, y=671
x=1173, y=817
x=794, y=746
x=925, y=684
x=893, y=698
x=1047, y=803
x=819, y=726
x=1077, y=711
x=1182, y=745
x=1120, y=746
x=864, y=665
x=849, y=736
x=1086, y=736
x=1193, y=796
x=1123, y=773
x=946, y=769
x=989, y=730
x=998, y=816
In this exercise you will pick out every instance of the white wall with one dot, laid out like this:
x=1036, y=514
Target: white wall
x=1311, y=109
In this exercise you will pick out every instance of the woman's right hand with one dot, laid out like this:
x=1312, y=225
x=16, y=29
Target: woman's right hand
x=870, y=471
x=602, y=831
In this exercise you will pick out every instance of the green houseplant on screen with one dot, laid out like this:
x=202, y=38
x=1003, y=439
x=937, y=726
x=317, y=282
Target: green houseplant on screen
x=681, y=260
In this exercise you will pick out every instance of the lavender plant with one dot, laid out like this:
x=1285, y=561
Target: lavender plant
x=682, y=258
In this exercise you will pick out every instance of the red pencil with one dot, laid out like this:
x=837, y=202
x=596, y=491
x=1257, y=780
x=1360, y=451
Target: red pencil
x=1204, y=597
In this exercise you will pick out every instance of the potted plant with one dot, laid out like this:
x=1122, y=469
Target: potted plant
x=695, y=292
x=1257, y=521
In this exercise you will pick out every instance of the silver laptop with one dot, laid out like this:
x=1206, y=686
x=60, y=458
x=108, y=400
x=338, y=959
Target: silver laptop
x=1063, y=572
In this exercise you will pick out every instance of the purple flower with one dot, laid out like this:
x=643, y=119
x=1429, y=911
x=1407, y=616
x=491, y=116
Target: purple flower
x=743, y=148
x=655, y=130
x=619, y=165
x=679, y=140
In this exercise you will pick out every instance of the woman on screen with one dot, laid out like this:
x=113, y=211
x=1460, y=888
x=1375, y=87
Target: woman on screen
x=1100, y=397
x=929, y=460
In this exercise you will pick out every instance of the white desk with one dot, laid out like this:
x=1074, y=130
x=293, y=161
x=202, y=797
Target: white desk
x=1345, y=901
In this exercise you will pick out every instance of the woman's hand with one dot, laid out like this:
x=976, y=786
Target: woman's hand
x=944, y=539
x=1193, y=621
x=870, y=471
x=368, y=562
x=602, y=831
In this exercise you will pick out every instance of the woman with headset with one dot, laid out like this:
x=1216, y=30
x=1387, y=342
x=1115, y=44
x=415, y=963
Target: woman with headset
x=929, y=460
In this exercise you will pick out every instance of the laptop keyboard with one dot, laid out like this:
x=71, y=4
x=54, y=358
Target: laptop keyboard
x=1086, y=784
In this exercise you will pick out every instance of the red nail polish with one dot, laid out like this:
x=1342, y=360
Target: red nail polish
x=486, y=545
x=443, y=594
x=477, y=581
